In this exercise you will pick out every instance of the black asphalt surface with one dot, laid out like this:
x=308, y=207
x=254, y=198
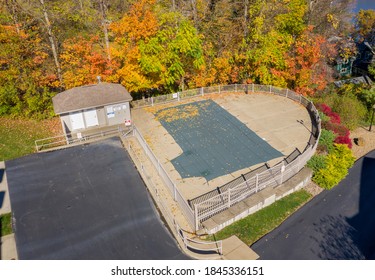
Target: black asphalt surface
x=337, y=224
x=85, y=202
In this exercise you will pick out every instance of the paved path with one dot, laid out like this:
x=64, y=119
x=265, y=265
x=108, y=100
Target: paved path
x=336, y=224
x=4, y=193
x=7, y=243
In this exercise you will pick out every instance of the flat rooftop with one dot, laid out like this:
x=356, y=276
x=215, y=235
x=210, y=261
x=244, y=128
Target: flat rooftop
x=85, y=202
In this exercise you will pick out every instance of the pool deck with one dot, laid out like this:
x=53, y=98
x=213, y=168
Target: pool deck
x=275, y=119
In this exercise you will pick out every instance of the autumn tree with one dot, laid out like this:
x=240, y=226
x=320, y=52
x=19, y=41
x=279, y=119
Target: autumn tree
x=83, y=60
x=307, y=69
x=365, y=24
x=273, y=29
x=155, y=52
x=25, y=83
x=139, y=24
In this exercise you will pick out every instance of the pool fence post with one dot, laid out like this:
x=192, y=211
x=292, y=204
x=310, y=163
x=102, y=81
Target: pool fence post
x=229, y=198
x=282, y=173
x=196, y=217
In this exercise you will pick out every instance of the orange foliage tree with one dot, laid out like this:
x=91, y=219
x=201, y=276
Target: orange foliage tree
x=139, y=24
x=307, y=68
x=82, y=60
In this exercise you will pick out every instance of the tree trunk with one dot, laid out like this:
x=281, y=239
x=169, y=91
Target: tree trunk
x=10, y=6
x=52, y=41
x=246, y=17
x=105, y=28
x=194, y=10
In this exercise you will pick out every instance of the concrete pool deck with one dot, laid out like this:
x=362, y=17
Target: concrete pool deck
x=283, y=123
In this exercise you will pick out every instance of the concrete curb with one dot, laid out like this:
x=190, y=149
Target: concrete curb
x=8, y=250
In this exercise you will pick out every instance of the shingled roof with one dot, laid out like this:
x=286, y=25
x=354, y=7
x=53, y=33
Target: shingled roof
x=90, y=96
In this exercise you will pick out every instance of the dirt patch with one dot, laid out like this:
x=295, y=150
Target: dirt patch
x=313, y=189
x=366, y=143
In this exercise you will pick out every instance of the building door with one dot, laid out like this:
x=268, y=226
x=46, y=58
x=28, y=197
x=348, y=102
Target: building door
x=91, y=118
x=76, y=119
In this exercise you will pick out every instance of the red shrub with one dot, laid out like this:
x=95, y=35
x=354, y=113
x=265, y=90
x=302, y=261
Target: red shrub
x=344, y=140
x=324, y=108
x=335, y=118
x=343, y=134
x=337, y=128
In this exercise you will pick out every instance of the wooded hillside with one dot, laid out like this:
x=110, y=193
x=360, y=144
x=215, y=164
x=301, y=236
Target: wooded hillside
x=160, y=46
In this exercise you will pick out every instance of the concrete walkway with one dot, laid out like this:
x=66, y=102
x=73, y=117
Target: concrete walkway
x=8, y=249
x=4, y=193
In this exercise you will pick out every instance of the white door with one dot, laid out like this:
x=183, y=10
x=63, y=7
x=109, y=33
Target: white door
x=76, y=119
x=91, y=118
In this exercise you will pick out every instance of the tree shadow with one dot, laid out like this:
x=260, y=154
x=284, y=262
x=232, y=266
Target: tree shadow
x=1, y=242
x=352, y=235
x=1, y=174
x=337, y=239
x=2, y=196
x=364, y=221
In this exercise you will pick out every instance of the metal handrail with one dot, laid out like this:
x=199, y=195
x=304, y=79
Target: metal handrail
x=69, y=138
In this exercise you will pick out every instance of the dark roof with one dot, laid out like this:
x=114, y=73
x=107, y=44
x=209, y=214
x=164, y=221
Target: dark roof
x=90, y=96
x=357, y=80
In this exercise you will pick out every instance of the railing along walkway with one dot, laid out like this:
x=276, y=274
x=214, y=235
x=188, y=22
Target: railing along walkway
x=168, y=206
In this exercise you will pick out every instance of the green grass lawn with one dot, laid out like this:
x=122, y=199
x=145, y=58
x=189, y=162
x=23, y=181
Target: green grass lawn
x=17, y=136
x=5, y=224
x=254, y=226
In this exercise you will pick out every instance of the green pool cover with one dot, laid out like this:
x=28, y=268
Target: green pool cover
x=214, y=142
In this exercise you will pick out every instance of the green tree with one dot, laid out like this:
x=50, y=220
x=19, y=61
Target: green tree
x=25, y=82
x=173, y=54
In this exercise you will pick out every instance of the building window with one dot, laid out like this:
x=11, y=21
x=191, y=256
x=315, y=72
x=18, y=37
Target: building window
x=343, y=70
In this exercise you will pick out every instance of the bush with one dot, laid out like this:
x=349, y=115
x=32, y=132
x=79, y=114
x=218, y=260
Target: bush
x=317, y=162
x=342, y=133
x=352, y=111
x=326, y=139
x=323, y=117
x=324, y=108
x=336, y=167
x=335, y=118
x=327, y=111
x=344, y=140
x=367, y=96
